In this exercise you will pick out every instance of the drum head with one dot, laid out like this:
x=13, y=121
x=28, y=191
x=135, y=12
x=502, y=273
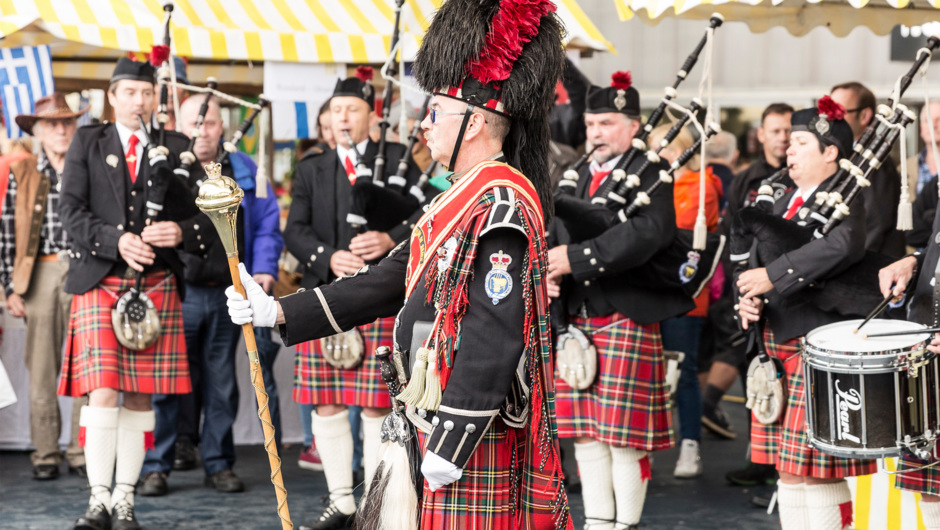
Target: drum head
x=839, y=336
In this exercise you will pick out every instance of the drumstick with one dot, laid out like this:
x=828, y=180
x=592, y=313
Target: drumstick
x=881, y=307
x=897, y=333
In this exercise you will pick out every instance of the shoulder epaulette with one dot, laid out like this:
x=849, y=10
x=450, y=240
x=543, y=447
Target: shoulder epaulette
x=502, y=212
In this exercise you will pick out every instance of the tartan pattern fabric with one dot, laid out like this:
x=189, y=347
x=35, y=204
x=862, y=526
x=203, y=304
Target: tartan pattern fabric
x=628, y=404
x=316, y=382
x=93, y=358
x=483, y=498
x=922, y=480
x=788, y=446
x=765, y=439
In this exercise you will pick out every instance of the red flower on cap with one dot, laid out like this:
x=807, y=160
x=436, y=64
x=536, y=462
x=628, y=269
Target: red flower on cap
x=365, y=73
x=830, y=108
x=621, y=80
x=159, y=54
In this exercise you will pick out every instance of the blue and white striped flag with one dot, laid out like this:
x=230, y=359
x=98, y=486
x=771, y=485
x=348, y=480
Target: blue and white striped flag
x=25, y=76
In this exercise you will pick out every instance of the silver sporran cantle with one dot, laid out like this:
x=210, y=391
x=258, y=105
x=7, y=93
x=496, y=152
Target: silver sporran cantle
x=135, y=320
x=344, y=350
x=576, y=359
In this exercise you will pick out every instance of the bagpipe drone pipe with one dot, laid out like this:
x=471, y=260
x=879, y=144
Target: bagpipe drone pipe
x=679, y=266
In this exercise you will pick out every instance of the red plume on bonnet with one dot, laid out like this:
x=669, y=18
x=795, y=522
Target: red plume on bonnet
x=830, y=108
x=365, y=73
x=514, y=25
x=621, y=80
x=159, y=54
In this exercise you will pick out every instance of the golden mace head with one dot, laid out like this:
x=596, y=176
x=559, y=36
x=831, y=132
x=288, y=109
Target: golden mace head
x=219, y=197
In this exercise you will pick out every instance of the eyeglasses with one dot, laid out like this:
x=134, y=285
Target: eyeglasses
x=435, y=113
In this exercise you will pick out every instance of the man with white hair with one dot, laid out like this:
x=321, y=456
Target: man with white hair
x=721, y=153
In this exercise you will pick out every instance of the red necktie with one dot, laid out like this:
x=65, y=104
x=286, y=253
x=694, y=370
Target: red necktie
x=350, y=170
x=795, y=207
x=596, y=178
x=131, y=157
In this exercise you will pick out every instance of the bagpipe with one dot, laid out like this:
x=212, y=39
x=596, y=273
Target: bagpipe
x=758, y=237
x=381, y=201
x=683, y=266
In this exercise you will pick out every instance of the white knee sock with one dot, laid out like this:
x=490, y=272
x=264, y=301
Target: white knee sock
x=371, y=445
x=631, y=474
x=597, y=488
x=132, y=426
x=931, y=513
x=99, y=432
x=829, y=506
x=791, y=500
x=335, y=444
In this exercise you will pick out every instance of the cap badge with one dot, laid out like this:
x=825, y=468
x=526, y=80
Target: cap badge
x=621, y=100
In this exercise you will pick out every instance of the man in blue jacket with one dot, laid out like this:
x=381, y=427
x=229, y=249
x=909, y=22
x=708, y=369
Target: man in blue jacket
x=211, y=338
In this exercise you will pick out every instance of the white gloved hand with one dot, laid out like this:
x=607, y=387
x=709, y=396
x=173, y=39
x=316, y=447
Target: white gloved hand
x=259, y=309
x=439, y=472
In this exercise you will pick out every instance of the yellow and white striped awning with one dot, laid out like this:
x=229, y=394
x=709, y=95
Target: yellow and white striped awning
x=797, y=16
x=321, y=31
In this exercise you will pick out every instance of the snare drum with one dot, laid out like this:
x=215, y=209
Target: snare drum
x=870, y=397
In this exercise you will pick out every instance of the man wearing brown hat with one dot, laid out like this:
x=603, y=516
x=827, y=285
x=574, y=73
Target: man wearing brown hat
x=33, y=245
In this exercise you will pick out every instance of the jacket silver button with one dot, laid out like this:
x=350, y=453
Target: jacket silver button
x=471, y=428
x=448, y=425
x=423, y=413
x=435, y=421
x=120, y=227
x=320, y=249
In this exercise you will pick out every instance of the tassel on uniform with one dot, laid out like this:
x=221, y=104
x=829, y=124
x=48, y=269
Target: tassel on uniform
x=431, y=400
x=700, y=234
x=905, y=213
x=261, y=176
x=415, y=389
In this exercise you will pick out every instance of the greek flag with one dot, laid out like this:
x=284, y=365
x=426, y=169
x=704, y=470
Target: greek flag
x=25, y=76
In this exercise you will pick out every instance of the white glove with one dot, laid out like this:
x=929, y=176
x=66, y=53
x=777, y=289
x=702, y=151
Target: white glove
x=439, y=472
x=259, y=310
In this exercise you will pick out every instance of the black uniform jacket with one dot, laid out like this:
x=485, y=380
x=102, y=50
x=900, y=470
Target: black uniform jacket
x=99, y=204
x=788, y=313
x=320, y=199
x=491, y=340
x=921, y=304
x=881, y=210
x=600, y=266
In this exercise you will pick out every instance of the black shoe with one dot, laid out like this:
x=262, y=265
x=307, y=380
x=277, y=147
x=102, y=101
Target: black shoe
x=753, y=475
x=762, y=500
x=714, y=420
x=152, y=484
x=185, y=456
x=81, y=471
x=331, y=519
x=225, y=481
x=122, y=517
x=96, y=518
x=45, y=472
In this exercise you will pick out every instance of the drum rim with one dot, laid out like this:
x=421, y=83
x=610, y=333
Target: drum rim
x=855, y=363
x=903, y=325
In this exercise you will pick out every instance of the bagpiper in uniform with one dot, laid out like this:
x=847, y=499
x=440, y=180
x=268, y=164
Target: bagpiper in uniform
x=471, y=278
x=625, y=413
x=328, y=247
x=812, y=484
x=103, y=205
x=33, y=266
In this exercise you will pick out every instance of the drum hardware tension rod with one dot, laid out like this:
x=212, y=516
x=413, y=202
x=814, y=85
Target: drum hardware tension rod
x=897, y=333
x=881, y=307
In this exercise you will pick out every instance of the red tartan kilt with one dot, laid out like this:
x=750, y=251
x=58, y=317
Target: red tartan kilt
x=922, y=481
x=316, y=382
x=93, y=358
x=785, y=443
x=628, y=404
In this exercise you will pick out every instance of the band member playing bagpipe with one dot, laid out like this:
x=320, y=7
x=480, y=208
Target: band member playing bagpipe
x=135, y=346
x=336, y=372
x=812, y=492
x=473, y=332
x=624, y=413
x=211, y=339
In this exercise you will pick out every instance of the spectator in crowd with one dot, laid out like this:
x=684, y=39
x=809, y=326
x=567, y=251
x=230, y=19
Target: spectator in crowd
x=922, y=176
x=881, y=198
x=210, y=340
x=33, y=267
x=774, y=137
x=721, y=155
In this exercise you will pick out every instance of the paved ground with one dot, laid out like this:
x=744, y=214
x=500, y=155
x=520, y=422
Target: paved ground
x=703, y=503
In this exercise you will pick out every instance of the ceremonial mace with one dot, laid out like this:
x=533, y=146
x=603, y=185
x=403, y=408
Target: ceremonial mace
x=219, y=198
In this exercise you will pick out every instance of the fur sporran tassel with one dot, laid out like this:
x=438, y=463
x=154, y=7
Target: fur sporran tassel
x=432, y=385
x=392, y=501
x=415, y=389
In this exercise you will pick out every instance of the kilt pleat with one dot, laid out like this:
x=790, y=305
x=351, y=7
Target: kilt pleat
x=922, y=480
x=628, y=404
x=94, y=359
x=786, y=443
x=316, y=382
